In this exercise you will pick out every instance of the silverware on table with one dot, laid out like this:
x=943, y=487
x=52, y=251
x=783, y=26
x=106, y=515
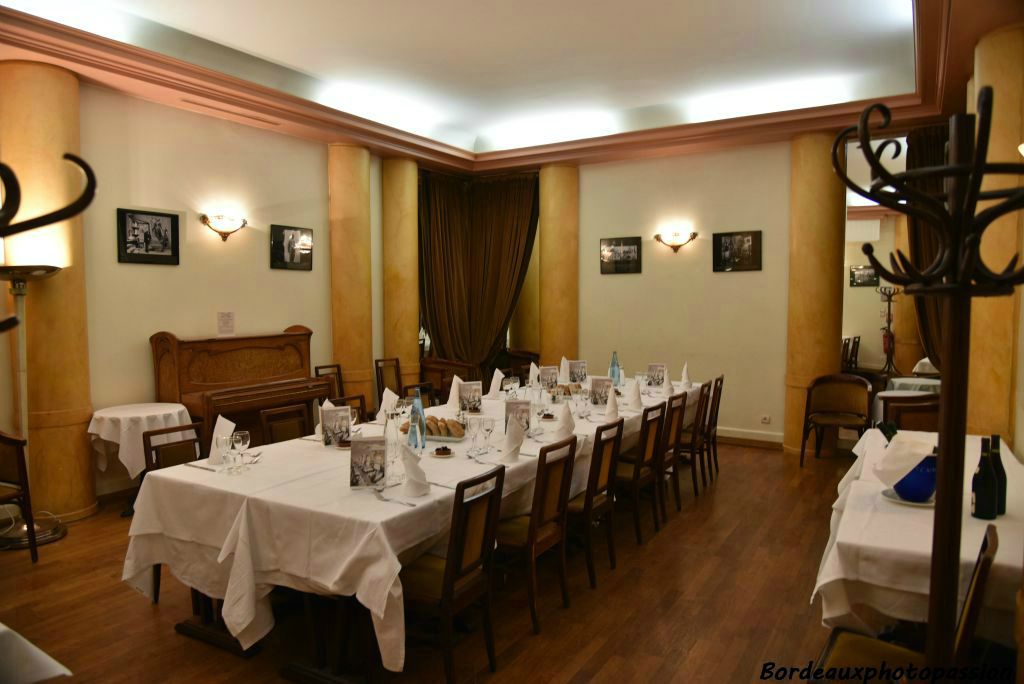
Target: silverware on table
x=190, y=464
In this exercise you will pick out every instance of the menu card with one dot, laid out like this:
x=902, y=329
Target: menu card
x=577, y=371
x=369, y=462
x=518, y=410
x=600, y=387
x=471, y=396
x=549, y=377
x=656, y=374
x=336, y=425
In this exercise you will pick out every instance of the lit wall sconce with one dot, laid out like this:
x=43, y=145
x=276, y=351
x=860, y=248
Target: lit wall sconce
x=676, y=239
x=222, y=225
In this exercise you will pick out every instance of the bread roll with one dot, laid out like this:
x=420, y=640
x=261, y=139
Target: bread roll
x=443, y=426
x=432, y=428
x=455, y=429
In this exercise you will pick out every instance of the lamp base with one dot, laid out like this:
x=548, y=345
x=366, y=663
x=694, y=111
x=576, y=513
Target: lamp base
x=47, y=532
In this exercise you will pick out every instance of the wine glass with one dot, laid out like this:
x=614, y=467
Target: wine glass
x=222, y=444
x=240, y=441
x=404, y=408
x=641, y=381
x=473, y=427
x=487, y=424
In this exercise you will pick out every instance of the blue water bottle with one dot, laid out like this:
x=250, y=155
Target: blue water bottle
x=417, y=418
x=614, y=369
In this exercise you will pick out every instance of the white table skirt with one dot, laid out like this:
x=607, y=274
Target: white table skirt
x=123, y=426
x=876, y=564
x=292, y=520
x=877, y=409
x=925, y=366
x=22, y=662
x=933, y=385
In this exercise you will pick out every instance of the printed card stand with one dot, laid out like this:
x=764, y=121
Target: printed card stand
x=656, y=374
x=471, y=396
x=369, y=463
x=518, y=410
x=600, y=388
x=336, y=426
x=577, y=372
x=549, y=377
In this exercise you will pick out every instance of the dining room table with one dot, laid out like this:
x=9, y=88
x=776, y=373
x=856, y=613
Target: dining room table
x=293, y=520
x=916, y=384
x=876, y=565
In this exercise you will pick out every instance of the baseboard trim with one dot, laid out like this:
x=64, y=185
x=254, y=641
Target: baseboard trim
x=746, y=442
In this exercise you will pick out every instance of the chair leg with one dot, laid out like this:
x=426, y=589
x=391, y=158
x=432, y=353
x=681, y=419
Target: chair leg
x=30, y=528
x=636, y=515
x=803, y=443
x=819, y=437
x=655, y=498
x=698, y=455
x=531, y=589
x=693, y=476
x=714, y=445
x=609, y=532
x=662, y=496
x=156, y=584
x=707, y=459
x=448, y=646
x=563, y=570
x=675, y=486
x=588, y=551
x=492, y=660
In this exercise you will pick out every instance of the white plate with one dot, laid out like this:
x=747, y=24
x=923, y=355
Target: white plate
x=891, y=495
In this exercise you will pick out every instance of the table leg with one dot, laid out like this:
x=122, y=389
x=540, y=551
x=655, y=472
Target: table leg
x=207, y=626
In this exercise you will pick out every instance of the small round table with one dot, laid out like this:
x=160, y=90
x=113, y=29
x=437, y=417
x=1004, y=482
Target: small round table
x=876, y=411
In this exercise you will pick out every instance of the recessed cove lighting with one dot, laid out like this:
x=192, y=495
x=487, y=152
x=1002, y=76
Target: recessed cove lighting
x=99, y=18
x=771, y=96
x=389, y=106
x=549, y=127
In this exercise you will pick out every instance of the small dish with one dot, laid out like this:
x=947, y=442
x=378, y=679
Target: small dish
x=442, y=452
x=891, y=495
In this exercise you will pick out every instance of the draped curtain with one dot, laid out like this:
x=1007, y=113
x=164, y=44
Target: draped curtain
x=476, y=239
x=926, y=146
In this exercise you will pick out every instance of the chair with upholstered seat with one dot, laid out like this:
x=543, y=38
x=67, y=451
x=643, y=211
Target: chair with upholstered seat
x=672, y=434
x=711, y=424
x=847, y=649
x=528, y=536
x=692, y=447
x=912, y=412
x=389, y=375
x=284, y=423
x=333, y=372
x=14, y=489
x=357, y=402
x=595, y=503
x=169, y=454
x=838, y=401
x=464, y=577
x=640, y=467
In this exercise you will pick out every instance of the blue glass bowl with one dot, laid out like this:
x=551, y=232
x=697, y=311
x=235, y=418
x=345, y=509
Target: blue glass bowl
x=919, y=484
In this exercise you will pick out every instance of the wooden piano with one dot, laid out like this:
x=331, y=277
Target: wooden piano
x=236, y=376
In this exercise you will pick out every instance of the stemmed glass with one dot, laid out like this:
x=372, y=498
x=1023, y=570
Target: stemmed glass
x=240, y=442
x=641, y=380
x=487, y=424
x=473, y=427
x=222, y=444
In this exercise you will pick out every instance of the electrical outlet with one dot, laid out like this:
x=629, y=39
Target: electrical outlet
x=766, y=420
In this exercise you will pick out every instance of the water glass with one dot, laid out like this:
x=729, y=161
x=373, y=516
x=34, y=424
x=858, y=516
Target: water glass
x=222, y=445
x=473, y=428
x=487, y=424
x=240, y=442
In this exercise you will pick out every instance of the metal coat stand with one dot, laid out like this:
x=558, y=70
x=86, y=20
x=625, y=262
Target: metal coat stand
x=888, y=294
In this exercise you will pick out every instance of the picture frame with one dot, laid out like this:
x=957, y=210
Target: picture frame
x=656, y=374
x=518, y=409
x=368, y=466
x=577, y=371
x=863, y=276
x=600, y=388
x=147, y=237
x=736, y=251
x=291, y=248
x=621, y=255
x=549, y=377
x=471, y=396
x=336, y=426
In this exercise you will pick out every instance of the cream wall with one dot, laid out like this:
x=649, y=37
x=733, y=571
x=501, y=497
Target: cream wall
x=677, y=309
x=862, y=306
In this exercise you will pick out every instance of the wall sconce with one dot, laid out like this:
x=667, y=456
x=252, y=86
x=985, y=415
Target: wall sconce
x=1020, y=148
x=225, y=226
x=675, y=239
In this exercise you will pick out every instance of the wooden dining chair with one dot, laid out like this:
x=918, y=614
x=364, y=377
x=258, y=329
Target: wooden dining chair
x=693, y=447
x=332, y=371
x=711, y=424
x=441, y=372
x=855, y=352
x=846, y=353
x=595, y=503
x=528, y=536
x=912, y=413
x=389, y=375
x=671, y=448
x=846, y=649
x=14, y=487
x=640, y=467
x=169, y=454
x=284, y=423
x=840, y=400
x=358, y=404
x=427, y=394
x=464, y=577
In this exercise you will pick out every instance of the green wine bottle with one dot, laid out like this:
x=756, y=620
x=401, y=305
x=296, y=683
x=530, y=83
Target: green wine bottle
x=997, y=463
x=984, y=488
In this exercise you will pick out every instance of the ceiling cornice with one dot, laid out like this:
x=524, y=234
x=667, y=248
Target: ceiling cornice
x=945, y=34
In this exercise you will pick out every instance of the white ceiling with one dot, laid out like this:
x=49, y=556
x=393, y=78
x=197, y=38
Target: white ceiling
x=484, y=75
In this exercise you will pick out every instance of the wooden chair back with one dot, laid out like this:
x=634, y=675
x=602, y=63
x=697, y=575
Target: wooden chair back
x=846, y=352
x=700, y=416
x=332, y=371
x=389, y=375
x=711, y=426
x=675, y=419
x=912, y=413
x=607, y=444
x=358, y=404
x=551, y=488
x=427, y=393
x=975, y=597
x=474, y=526
x=441, y=372
x=855, y=351
x=13, y=466
x=284, y=423
x=651, y=424
x=172, y=453
x=839, y=393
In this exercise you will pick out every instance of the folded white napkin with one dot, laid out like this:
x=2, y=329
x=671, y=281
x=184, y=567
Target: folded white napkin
x=513, y=442
x=565, y=426
x=563, y=372
x=686, y=376
x=667, y=390
x=453, y=396
x=634, y=400
x=320, y=416
x=415, y=479
x=901, y=456
x=223, y=427
x=534, y=374
x=387, y=404
x=611, y=411
x=496, y=379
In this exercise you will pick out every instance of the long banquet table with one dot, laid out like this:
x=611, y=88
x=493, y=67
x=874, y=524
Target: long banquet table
x=292, y=520
x=875, y=569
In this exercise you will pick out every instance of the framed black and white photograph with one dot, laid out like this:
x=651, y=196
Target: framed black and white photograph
x=368, y=463
x=147, y=237
x=739, y=251
x=620, y=255
x=471, y=396
x=336, y=426
x=549, y=377
x=518, y=410
x=291, y=248
x=600, y=388
x=656, y=373
x=577, y=371
x=863, y=276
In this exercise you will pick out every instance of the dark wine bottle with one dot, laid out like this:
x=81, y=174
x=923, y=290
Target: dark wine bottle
x=984, y=488
x=997, y=463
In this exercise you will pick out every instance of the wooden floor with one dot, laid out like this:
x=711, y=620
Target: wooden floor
x=724, y=587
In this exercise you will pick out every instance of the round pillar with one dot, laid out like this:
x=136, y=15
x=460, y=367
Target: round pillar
x=400, y=239
x=817, y=224
x=39, y=123
x=559, y=258
x=348, y=215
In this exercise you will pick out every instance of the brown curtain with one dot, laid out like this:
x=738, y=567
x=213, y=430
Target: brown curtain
x=476, y=239
x=926, y=146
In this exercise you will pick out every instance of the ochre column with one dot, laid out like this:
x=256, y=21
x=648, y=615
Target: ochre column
x=817, y=209
x=524, y=330
x=904, y=314
x=39, y=123
x=559, y=256
x=348, y=213
x=998, y=62
x=400, y=239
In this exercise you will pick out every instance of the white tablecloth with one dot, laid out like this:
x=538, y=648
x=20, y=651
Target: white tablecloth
x=876, y=564
x=877, y=409
x=925, y=366
x=292, y=520
x=123, y=426
x=22, y=662
x=932, y=385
